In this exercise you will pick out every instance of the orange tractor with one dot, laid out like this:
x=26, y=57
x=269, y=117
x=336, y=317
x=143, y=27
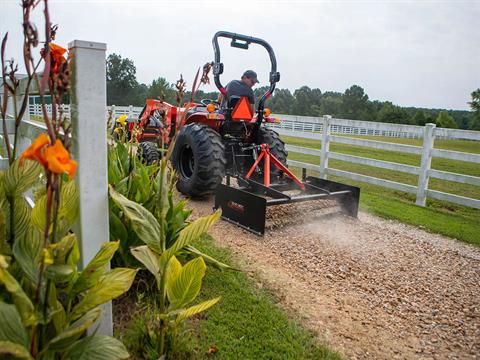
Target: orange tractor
x=216, y=143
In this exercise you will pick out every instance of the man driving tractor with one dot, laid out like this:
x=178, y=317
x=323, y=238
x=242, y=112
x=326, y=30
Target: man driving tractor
x=241, y=88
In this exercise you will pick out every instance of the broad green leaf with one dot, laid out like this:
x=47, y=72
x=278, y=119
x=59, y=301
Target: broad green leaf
x=193, y=310
x=95, y=268
x=28, y=253
x=174, y=269
x=8, y=349
x=65, y=251
x=58, y=314
x=59, y=273
x=68, y=210
x=69, y=202
x=143, y=222
x=4, y=246
x=208, y=259
x=118, y=232
x=21, y=217
x=111, y=285
x=189, y=234
x=97, y=348
x=148, y=258
x=21, y=300
x=74, y=331
x=11, y=327
x=38, y=212
x=186, y=286
x=19, y=178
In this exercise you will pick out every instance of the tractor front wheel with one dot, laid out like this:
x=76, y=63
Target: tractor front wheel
x=148, y=152
x=199, y=160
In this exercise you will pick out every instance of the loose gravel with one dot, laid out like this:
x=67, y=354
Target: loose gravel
x=368, y=287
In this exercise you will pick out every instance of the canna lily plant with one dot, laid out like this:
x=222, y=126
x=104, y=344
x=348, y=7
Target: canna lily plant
x=47, y=303
x=152, y=186
x=167, y=237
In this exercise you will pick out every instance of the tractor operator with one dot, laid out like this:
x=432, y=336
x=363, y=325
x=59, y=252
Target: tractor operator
x=242, y=88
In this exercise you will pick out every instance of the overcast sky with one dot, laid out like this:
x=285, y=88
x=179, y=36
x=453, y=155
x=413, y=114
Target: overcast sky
x=413, y=53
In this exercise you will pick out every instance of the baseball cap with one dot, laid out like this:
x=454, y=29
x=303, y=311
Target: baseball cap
x=251, y=74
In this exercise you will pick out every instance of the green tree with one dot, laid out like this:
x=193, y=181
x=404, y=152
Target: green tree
x=390, y=113
x=330, y=104
x=122, y=85
x=419, y=118
x=282, y=101
x=474, y=123
x=161, y=88
x=475, y=103
x=305, y=99
x=446, y=121
x=354, y=102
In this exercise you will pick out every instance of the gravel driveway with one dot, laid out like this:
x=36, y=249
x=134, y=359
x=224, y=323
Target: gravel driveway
x=369, y=287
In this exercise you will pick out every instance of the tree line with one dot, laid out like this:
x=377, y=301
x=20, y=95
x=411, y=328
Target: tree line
x=124, y=89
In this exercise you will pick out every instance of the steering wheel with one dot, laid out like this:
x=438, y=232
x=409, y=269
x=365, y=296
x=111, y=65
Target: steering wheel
x=205, y=102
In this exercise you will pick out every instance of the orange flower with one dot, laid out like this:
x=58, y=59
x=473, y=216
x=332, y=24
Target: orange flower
x=53, y=157
x=59, y=161
x=35, y=151
x=57, y=53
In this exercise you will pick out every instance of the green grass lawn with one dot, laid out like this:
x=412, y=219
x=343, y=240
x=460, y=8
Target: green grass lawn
x=441, y=217
x=247, y=322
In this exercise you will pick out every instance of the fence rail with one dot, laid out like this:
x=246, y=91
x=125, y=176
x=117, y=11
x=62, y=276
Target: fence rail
x=328, y=130
x=315, y=125
x=423, y=171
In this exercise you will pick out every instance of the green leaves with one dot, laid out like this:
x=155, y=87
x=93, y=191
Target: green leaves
x=11, y=327
x=148, y=258
x=27, y=251
x=21, y=300
x=183, y=283
x=95, y=268
x=21, y=217
x=15, y=350
x=97, y=348
x=142, y=221
x=74, y=331
x=67, y=212
x=189, y=234
x=19, y=178
x=193, y=310
x=111, y=285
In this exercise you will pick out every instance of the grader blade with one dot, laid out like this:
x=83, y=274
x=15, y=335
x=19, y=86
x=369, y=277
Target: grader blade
x=256, y=207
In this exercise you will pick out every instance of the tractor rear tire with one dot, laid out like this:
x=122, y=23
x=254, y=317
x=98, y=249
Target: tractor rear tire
x=199, y=160
x=276, y=147
x=148, y=152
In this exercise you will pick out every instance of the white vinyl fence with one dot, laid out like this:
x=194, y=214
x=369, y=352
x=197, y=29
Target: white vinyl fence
x=324, y=129
x=315, y=125
x=424, y=170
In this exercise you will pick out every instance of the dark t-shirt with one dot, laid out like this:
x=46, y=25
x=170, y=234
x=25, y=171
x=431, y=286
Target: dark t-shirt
x=238, y=88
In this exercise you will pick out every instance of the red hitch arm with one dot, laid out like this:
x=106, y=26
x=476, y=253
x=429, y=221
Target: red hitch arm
x=265, y=153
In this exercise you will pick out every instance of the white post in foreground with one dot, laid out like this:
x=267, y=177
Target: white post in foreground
x=425, y=163
x=89, y=100
x=325, y=146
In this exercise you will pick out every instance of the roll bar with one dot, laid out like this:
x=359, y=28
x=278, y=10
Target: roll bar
x=243, y=42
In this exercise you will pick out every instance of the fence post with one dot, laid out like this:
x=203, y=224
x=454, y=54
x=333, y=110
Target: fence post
x=425, y=163
x=90, y=149
x=130, y=111
x=325, y=146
